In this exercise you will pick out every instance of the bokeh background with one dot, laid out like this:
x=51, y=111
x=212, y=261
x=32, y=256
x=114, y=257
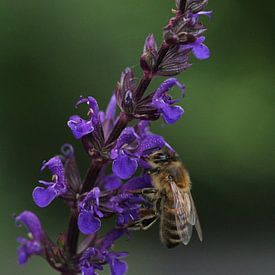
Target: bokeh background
x=53, y=51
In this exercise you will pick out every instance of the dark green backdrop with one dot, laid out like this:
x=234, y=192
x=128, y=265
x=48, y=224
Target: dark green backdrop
x=53, y=51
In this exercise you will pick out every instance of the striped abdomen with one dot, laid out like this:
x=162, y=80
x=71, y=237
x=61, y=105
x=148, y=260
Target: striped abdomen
x=169, y=233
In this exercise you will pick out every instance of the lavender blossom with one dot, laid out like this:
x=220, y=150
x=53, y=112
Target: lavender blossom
x=36, y=237
x=81, y=127
x=44, y=196
x=112, y=143
x=164, y=103
x=89, y=217
x=100, y=253
x=130, y=148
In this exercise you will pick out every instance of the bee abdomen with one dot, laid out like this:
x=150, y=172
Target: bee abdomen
x=169, y=233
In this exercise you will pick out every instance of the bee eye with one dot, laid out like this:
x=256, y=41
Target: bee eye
x=160, y=157
x=171, y=178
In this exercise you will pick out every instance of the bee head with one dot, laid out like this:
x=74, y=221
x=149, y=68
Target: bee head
x=162, y=156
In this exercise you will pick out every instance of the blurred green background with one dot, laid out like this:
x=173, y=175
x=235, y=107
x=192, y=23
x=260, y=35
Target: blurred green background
x=53, y=51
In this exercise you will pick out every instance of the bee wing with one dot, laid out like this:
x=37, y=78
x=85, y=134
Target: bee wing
x=186, y=214
x=182, y=208
x=194, y=217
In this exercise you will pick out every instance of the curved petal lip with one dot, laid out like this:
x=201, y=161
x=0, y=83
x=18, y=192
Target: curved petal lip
x=43, y=197
x=124, y=166
x=32, y=223
x=87, y=223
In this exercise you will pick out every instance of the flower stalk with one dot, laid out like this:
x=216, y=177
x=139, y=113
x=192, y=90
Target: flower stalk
x=113, y=143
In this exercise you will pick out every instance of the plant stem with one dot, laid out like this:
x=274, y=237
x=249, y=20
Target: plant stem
x=69, y=272
x=120, y=125
x=92, y=175
x=147, y=78
x=73, y=232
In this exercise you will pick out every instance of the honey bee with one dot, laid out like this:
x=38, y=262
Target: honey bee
x=174, y=205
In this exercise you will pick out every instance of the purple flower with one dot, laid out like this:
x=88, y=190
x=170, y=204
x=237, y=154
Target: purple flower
x=127, y=206
x=199, y=50
x=130, y=148
x=150, y=54
x=36, y=236
x=124, y=161
x=81, y=127
x=95, y=257
x=111, y=182
x=117, y=265
x=43, y=196
x=108, y=118
x=163, y=102
x=125, y=91
x=91, y=259
x=89, y=216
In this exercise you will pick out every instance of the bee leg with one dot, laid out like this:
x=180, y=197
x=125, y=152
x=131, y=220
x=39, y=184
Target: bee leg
x=147, y=218
x=146, y=224
x=149, y=194
x=144, y=191
x=143, y=224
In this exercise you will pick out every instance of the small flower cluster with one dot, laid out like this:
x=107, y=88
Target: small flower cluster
x=111, y=141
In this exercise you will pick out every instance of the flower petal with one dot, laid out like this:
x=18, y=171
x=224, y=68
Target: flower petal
x=111, y=108
x=22, y=256
x=88, y=271
x=172, y=113
x=137, y=183
x=165, y=86
x=111, y=237
x=32, y=223
x=124, y=166
x=118, y=267
x=143, y=128
x=80, y=127
x=55, y=165
x=44, y=196
x=201, y=51
x=150, y=43
x=149, y=144
x=87, y=223
x=111, y=182
x=127, y=136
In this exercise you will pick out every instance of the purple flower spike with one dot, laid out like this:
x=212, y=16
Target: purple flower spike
x=81, y=127
x=33, y=245
x=163, y=102
x=88, y=219
x=44, y=196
